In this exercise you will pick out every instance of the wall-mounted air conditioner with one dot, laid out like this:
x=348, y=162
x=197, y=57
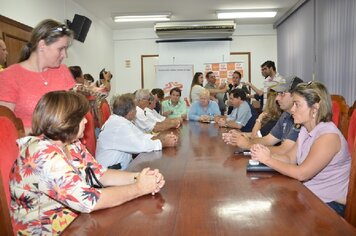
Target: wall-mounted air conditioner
x=195, y=29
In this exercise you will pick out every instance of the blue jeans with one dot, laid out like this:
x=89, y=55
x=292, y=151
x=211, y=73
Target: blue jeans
x=338, y=207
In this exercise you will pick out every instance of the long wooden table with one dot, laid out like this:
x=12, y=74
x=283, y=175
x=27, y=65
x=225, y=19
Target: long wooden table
x=209, y=192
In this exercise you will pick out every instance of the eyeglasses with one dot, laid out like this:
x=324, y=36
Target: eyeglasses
x=61, y=28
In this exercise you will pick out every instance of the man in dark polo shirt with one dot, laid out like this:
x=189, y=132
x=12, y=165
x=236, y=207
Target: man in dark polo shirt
x=285, y=131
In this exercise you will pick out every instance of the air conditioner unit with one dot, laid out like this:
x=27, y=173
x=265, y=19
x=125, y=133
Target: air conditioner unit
x=195, y=29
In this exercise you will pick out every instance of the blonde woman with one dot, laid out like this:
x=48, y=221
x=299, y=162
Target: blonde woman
x=320, y=157
x=268, y=118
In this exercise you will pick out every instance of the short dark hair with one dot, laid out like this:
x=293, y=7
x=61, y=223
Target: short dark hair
x=76, y=71
x=209, y=73
x=159, y=92
x=88, y=77
x=177, y=90
x=123, y=104
x=237, y=72
x=58, y=114
x=269, y=64
x=239, y=93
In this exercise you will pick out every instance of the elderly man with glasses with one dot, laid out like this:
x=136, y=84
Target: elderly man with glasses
x=143, y=122
x=285, y=131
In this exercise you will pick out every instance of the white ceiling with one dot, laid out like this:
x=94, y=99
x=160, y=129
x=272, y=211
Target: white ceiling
x=182, y=10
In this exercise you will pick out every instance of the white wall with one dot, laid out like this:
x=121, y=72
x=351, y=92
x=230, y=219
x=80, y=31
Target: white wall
x=95, y=53
x=106, y=48
x=130, y=45
x=259, y=40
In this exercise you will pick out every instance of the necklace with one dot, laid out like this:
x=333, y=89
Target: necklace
x=45, y=81
x=36, y=67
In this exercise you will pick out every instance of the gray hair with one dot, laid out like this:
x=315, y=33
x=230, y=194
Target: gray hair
x=123, y=104
x=142, y=94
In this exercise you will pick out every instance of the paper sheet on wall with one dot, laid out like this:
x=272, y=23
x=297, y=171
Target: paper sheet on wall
x=170, y=76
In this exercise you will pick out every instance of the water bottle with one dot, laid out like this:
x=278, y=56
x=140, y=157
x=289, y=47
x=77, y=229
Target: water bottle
x=211, y=118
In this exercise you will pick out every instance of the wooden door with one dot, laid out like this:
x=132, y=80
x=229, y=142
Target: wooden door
x=15, y=35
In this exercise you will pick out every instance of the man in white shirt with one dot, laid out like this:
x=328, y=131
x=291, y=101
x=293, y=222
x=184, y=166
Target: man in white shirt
x=271, y=78
x=150, y=111
x=143, y=99
x=120, y=138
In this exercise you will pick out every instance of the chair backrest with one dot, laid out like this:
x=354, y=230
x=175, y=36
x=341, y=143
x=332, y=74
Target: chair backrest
x=8, y=154
x=5, y=220
x=89, y=139
x=5, y=111
x=350, y=211
x=353, y=105
x=341, y=107
x=351, y=134
x=8, y=150
x=105, y=112
x=336, y=113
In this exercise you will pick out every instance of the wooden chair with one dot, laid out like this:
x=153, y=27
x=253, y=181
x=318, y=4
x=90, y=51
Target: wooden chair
x=8, y=154
x=104, y=112
x=352, y=108
x=5, y=220
x=336, y=113
x=350, y=211
x=89, y=139
x=5, y=111
x=340, y=107
x=351, y=134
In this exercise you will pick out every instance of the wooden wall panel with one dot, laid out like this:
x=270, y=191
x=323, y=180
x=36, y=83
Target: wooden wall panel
x=15, y=35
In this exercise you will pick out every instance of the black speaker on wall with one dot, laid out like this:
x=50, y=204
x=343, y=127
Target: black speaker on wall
x=80, y=26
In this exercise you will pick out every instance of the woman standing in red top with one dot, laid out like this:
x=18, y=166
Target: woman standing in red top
x=39, y=71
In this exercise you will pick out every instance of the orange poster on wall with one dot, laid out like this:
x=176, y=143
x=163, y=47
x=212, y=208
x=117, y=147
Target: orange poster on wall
x=224, y=70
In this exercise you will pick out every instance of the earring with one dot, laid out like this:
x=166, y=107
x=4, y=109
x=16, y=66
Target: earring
x=314, y=114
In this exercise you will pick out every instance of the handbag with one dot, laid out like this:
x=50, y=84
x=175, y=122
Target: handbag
x=91, y=179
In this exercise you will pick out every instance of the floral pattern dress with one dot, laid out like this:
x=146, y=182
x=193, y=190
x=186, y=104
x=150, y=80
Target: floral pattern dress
x=48, y=187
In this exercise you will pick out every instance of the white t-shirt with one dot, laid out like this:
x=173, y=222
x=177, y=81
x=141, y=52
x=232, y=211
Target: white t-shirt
x=196, y=89
x=270, y=82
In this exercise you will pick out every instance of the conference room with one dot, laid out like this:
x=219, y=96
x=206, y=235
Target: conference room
x=208, y=189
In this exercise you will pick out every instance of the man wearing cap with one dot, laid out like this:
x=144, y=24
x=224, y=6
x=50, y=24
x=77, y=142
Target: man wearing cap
x=3, y=54
x=284, y=131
